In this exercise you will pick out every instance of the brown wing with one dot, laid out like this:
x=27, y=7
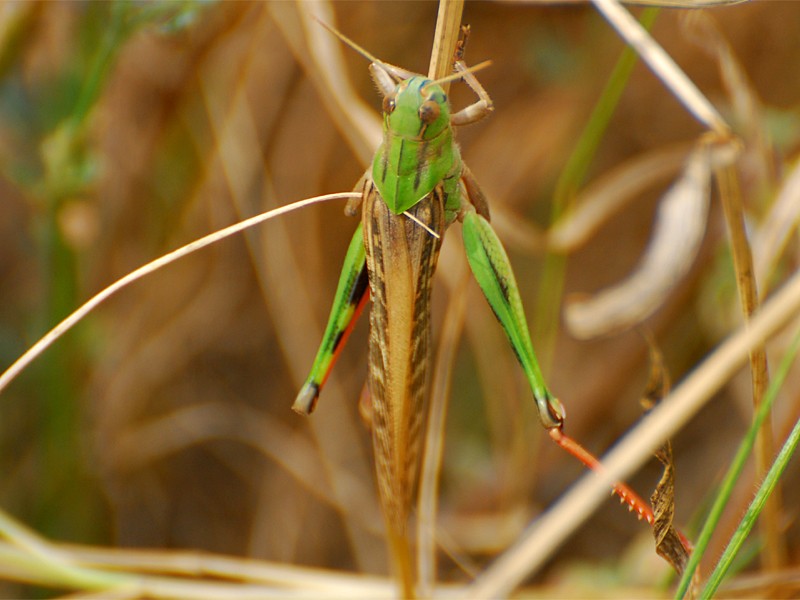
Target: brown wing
x=401, y=259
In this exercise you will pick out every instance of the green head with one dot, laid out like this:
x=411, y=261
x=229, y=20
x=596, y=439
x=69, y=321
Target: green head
x=417, y=151
x=417, y=109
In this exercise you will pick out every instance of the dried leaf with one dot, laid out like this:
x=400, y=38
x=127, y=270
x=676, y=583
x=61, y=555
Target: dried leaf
x=679, y=227
x=671, y=545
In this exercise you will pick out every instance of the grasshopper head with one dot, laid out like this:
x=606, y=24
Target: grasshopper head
x=417, y=109
x=417, y=152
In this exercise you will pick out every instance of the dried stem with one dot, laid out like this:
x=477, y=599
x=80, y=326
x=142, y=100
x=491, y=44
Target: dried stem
x=434, y=436
x=448, y=26
x=774, y=556
x=662, y=65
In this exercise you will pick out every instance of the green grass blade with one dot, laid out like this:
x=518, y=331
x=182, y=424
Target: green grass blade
x=753, y=511
x=572, y=177
x=732, y=476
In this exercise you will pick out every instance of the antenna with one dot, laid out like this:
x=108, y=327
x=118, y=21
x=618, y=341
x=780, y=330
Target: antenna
x=459, y=74
x=347, y=41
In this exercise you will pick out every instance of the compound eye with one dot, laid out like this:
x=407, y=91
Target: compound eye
x=429, y=112
x=389, y=104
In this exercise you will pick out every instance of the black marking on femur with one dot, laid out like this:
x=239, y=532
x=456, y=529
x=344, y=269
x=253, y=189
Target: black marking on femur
x=360, y=288
x=501, y=281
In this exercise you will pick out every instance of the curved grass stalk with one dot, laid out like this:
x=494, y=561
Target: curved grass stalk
x=51, y=565
x=70, y=321
x=191, y=576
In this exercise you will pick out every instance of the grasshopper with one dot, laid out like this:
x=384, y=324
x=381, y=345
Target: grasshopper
x=416, y=187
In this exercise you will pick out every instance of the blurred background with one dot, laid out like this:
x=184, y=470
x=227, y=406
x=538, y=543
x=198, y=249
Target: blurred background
x=163, y=420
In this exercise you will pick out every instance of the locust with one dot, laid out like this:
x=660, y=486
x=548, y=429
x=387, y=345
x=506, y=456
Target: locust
x=416, y=187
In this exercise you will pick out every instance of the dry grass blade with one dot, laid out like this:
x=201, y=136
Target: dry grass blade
x=772, y=238
x=727, y=178
x=448, y=26
x=69, y=322
x=211, y=577
x=663, y=66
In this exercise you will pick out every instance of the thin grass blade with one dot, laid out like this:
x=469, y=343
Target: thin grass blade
x=735, y=470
